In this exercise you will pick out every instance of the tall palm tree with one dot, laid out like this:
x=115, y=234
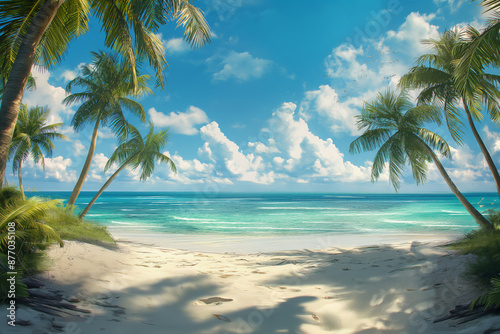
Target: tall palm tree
x=106, y=84
x=137, y=152
x=32, y=137
x=38, y=32
x=395, y=127
x=435, y=75
x=482, y=51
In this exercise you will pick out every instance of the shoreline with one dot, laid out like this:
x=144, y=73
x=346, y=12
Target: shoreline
x=241, y=244
x=146, y=288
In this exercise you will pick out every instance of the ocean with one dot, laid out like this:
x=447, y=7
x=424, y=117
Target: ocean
x=280, y=214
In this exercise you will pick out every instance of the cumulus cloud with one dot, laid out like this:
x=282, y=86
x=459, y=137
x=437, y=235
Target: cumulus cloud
x=242, y=67
x=416, y=28
x=181, y=122
x=325, y=101
x=228, y=156
x=46, y=94
x=97, y=168
x=57, y=168
x=304, y=153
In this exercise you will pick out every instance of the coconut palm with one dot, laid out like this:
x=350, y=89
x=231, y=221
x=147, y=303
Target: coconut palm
x=137, y=152
x=482, y=51
x=434, y=75
x=38, y=32
x=106, y=84
x=391, y=124
x=32, y=137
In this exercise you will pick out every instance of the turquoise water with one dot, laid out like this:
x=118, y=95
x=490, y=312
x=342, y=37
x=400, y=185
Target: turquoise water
x=280, y=214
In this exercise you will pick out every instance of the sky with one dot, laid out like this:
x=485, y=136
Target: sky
x=269, y=104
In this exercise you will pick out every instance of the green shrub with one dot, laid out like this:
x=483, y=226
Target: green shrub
x=486, y=246
x=23, y=236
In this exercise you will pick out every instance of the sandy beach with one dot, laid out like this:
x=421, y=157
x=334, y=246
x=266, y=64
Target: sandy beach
x=397, y=287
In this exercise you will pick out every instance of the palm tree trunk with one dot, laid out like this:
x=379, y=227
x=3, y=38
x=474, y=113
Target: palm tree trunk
x=86, y=166
x=483, y=222
x=20, y=179
x=13, y=92
x=486, y=153
x=108, y=182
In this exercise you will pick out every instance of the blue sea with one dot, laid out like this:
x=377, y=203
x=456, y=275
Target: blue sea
x=286, y=214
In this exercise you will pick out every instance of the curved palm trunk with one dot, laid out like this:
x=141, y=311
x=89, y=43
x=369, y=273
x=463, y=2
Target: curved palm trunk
x=108, y=182
x=483, y=222
x=86, y=166
x=13, y=92
x=20, y=179
x=486, y=153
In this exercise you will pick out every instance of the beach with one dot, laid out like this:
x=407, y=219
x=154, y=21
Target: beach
x=142, y=287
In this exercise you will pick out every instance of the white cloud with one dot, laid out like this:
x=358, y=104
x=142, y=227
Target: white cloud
x=493, y=137
x=304, y=155
x=242, y=67
x=410, y=34
x=453, y=4
x=181, y=122
x=58, y=168
x=99, y=161
x=47, y=95
x=326, y=102
x=78, y=148
x=105, y=133
x=176, y=46
x=228, y=156
x=69, y=75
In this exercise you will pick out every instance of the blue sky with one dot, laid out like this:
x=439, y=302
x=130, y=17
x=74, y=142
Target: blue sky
x=269, y=105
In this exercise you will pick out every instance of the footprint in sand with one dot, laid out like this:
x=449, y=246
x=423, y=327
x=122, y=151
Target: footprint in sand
x=221, y=317
x=215, y=300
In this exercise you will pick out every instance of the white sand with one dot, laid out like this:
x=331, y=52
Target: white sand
x=140, y=289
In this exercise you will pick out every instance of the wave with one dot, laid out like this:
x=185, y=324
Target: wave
x=191, y=219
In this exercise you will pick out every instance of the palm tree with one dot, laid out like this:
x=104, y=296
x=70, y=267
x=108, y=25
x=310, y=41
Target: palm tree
x=137, y=152
x=394, y=126
x=482, y=51
x=38, y=32
x=106, y=84
x=32, y=137
x=435, y=75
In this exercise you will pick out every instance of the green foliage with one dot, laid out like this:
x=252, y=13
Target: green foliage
x=485, y=244
x=106, y=85
x=22, y=219
x=392, y=125
x=67, y=224
x=143, y=153
x=32, y=136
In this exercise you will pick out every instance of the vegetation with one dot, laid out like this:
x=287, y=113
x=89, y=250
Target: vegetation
x=106, y=84
x=485, y=245
x=39, y=33
x=434, y=74
x=69, y=227
x=37, y=223
x=32, y=137
x=137, y=152
x=395, y=127
x=23, y=219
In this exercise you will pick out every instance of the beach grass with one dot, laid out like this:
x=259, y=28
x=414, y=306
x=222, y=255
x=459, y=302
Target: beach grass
x=69, y=227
